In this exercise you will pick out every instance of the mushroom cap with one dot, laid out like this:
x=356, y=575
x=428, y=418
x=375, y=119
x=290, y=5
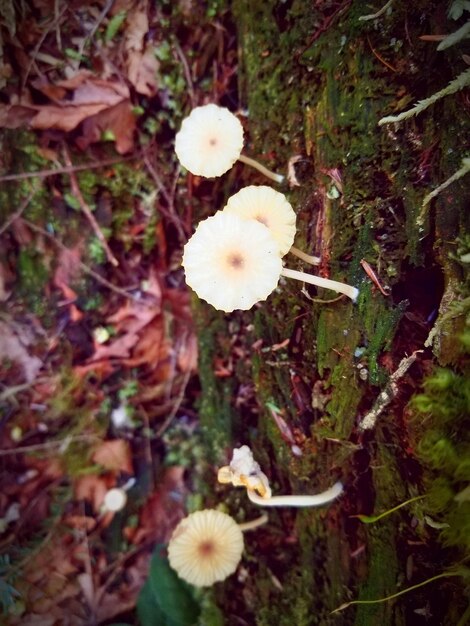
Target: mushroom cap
x=268, y=206
x=231, y=263
x=210, y=141
x=115, y=499
x=205, y=547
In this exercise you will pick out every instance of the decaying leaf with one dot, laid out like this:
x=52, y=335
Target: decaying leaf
x=82, y=97
x=13, y=345
x=114, y=455
x=142, y=65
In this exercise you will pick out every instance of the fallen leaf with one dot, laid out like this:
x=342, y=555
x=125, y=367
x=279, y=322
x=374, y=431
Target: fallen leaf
x=12, y=348
x=119, y=120
x=74, y=101
x=142, y=69
x=92, y=488
x=163, y=510
x=114, y=455
x=142, y=65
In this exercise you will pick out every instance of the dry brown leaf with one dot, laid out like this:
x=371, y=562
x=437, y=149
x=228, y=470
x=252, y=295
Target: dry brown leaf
x=12, y=347
x=188, y=354
x=142, y=69
x=68, y=268
x=142, y=65
x=63, y=118
x=119, y=120
x=164, y=509
x=129, y=320
x=137, y=27
x=92, y=488
x=75, y=100
x=114, y=455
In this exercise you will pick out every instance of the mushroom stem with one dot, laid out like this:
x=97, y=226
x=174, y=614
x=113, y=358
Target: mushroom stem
x=348, y=290
x=314, y=500
x=278, y=178
x=254, y=523
x=308, y=258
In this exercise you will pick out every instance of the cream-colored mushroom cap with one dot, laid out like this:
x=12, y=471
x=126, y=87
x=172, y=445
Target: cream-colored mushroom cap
x=210, y=141
x=205, y=547
x=268, y=206
x=232, y=263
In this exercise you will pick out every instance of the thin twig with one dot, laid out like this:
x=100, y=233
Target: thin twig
x=37, y=47
x=14, y=216
x=169, y=212
x=176, y=406
x=187, y=73
x=37, y=447
x=390, y=391
x=87, y=211
x=96, y=25
x=67, y=170
x=373, y=16
x=82, y=265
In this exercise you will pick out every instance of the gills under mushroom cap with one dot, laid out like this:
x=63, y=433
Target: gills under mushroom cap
x=232, y=263
x=269, y=207
x=210, y=141
x=205, y=547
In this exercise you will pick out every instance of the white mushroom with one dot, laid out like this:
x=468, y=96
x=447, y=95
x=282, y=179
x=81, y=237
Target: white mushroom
x=233, y=263
x=206, y=547
x=211, y=140
x=115, y=500
x=245, y=471
x=271, y=208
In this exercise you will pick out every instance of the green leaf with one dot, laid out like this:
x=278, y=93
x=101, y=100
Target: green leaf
x=72, y=201
x=165, y=600
x=150, y=614
x=114, y=25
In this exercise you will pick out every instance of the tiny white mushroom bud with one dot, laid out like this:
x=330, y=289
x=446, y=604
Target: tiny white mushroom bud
x=115, y=500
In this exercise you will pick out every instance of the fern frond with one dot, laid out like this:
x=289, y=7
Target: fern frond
x=455, y=85
x=455, y=37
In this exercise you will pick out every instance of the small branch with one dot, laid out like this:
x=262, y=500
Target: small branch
x=169, y=212
x=187, y=73
x=84, y=267
x=389, y=393
x=373, y=16
x=67, y=170
x=465, y=169
x=87, y=211
x=14, y=216
x=37, y=447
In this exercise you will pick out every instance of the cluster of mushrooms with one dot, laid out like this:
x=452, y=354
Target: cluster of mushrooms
x=207, y=546
x=234, y=258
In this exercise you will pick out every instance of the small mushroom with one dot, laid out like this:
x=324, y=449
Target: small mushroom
x=206, y=547
x=115, y=500
x=244, y=470
x=233, y=263
x=211, y=140
x=271, y=208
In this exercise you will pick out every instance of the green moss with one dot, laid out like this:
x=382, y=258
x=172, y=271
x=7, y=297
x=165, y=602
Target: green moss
x=444, y=447
x=215, y=405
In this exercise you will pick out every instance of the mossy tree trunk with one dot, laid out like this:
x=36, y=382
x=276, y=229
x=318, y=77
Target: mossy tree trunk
x=316, y=80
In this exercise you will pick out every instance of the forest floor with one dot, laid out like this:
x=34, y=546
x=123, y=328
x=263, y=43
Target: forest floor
x=113, y=374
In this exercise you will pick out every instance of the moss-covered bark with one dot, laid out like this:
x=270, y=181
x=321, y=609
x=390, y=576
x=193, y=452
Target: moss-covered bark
x=315, y=84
